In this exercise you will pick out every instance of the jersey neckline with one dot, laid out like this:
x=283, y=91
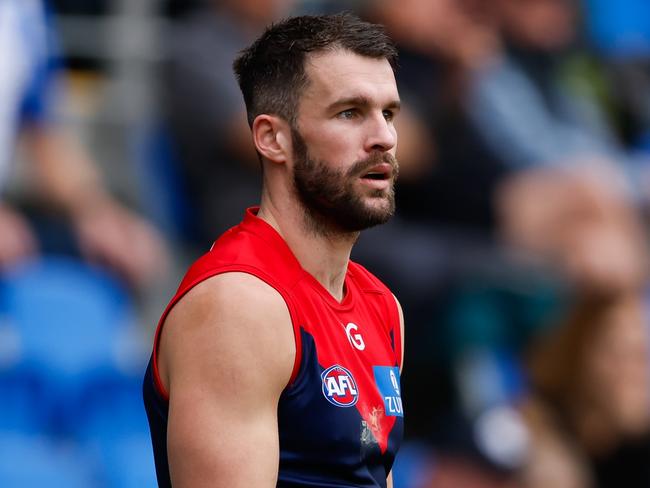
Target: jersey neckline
x=267, y=232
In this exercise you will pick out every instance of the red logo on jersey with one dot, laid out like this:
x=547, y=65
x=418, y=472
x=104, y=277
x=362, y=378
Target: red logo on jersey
x=339, y=386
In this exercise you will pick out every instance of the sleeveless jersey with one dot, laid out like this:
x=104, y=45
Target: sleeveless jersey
x=340, y=418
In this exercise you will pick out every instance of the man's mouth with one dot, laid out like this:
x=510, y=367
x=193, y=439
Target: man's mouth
x=381, y=171
x=375, y=176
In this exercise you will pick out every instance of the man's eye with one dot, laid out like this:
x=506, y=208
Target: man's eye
x=347, y=114
x=389, y=115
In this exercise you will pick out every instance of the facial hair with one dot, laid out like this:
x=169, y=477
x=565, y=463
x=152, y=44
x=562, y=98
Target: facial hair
x=332, y=203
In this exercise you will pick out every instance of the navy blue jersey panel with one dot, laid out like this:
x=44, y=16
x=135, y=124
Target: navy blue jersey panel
x=324, y=446
x=157, y=410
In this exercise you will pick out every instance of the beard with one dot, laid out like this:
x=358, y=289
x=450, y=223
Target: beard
x=329, y=198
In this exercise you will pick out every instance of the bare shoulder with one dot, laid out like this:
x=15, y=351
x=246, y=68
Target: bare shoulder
x=231, y=324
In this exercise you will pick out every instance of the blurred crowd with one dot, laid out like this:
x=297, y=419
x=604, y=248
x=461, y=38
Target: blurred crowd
x=519, y=250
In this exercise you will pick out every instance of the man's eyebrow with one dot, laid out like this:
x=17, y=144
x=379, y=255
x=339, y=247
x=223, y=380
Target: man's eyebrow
x=361, y=101
x=394, y=105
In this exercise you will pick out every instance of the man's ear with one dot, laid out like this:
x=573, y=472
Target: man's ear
x=271, y=136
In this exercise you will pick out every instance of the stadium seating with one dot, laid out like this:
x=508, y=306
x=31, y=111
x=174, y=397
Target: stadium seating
x=71, y=364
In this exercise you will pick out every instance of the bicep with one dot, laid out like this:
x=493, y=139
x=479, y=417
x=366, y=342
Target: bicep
x=227, y=364
x=211, y=444
x=209, y=448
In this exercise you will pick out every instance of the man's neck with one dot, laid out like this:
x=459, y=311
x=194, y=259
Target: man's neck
x=324, y=255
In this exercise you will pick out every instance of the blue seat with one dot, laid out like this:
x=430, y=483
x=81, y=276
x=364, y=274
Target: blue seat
x=71, y=367
x=22, y=401
x=65, y=313
x=33, y=462
x=67, y=321
x=114, y=429
x=126, y=462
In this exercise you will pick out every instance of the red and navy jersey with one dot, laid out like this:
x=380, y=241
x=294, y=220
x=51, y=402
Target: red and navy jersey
x=340, y=418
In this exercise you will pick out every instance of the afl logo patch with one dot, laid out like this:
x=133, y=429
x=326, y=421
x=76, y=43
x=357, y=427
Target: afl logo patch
x=339, y=387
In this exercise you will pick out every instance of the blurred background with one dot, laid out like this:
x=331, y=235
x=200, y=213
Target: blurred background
x=519, y=250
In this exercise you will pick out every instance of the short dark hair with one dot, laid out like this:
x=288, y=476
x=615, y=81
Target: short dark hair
x=271, y=72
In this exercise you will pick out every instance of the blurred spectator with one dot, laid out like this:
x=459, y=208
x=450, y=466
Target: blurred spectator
x=205, y=112
x=490, y=96
x=504, y=152
x=521, y=99
x=590, y=413
x=524, y=105
x=71, y=343
x=30, y=81
x=580, y=223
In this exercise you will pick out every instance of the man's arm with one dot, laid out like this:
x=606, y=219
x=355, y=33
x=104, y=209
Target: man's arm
x=226, y=353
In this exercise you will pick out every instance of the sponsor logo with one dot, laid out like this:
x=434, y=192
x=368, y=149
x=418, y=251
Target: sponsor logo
x=355, y=339
x=394, y=382
x=387, y=380
x=339, y=387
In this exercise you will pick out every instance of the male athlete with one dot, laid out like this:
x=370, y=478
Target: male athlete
x=277, y=362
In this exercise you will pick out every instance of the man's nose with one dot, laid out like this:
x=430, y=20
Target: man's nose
x=381, y=134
